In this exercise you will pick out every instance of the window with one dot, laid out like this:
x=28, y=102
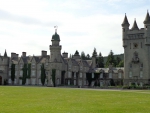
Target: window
x=39, y=73
x=130, y=65
x=80, y=75
x=15, y=73
x=101, y=83
x=33, y=65
x=92, y=75
x=141, y=65
x=110, y=75
x=70, y=66
x=21, y=73
x=141, y=84
x=141, y=74
x=33, y=73
x=80, y=67
x=21, y=66
x=74, y=75
x=141, y=44
x=101, y=75
x=130, y=74
x=16, y=66
x=9, y=73
x=69, y=74
x=120, y=75
x=58, y=81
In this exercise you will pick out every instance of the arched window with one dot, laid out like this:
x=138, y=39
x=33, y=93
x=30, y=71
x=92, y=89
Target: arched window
x=130, y=74
x=120, y=75
x=110, y=75
x=141, y=74
x=101, y=75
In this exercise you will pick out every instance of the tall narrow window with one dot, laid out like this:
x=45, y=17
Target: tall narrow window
x=141, y=74
x=110, y=75
x=130, y=74
x=141, y=44
x=92, y=75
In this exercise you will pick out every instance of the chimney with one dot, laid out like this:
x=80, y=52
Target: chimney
x=17, y=56
x=13, y=55
x=23, y=54
x=44, y=53
x=65, y=55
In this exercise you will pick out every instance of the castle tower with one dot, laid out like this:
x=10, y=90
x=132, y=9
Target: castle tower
x=136, y=43
x=55, y=48
x=4, y=68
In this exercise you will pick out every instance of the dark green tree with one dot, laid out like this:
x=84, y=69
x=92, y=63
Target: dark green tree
x=24, y=69
x=43, y=74
x=29, y=70
x=121, y=64
x=118, y=59
x=88, y=57
x=83, y=55
x=53, y=76
x=110, y=59
x=100, y=61
x=12, y=73
x=94, y=53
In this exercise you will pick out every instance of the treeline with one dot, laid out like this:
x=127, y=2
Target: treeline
x=111, y=60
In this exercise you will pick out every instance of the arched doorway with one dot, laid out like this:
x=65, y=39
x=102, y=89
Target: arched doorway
x=0, y=80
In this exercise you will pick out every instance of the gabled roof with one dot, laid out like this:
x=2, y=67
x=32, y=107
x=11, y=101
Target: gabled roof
x=74, y=62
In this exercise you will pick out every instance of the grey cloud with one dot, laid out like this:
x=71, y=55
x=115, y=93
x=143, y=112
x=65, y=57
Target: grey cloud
x=25, y=20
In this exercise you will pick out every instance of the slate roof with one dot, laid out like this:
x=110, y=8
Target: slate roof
x=147, y=19
x=125, y=21
x=134, y=27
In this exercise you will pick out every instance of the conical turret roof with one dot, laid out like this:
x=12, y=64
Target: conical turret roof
x=125, y=21
x=135, y=27
x=147, y=19
x=5, y=54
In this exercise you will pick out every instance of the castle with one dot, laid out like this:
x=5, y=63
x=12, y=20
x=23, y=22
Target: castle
x=77, y=72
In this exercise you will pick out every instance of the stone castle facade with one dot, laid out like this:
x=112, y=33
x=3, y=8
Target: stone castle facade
x=77, y=72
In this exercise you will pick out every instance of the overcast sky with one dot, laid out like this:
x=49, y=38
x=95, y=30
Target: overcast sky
x=28, y=25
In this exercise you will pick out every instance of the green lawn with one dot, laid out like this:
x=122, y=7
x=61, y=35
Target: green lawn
x=66, y=100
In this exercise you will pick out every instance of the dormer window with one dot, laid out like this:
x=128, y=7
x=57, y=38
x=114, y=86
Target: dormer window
x=33, y=65
x=21, y=65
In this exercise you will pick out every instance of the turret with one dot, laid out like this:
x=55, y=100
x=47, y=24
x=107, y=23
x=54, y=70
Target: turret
x=94, y=55
x=135, y=27
x=55, y=48
x=125, y=29
x=5, y=58
x=147, y=28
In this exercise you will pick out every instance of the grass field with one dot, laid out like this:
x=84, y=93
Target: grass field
x=66, y=100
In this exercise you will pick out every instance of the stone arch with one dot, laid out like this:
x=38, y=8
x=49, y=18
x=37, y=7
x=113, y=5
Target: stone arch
x=0, y=80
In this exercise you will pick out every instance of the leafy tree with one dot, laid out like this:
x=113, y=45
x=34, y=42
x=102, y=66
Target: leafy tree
x=100, y=61
x=118, y=59
x=43, y=74
x=94, y=53
x=53, y=76
x=110, y=59
x=121, y=64
x=88, y=57
x=12, y=73
x=83, y=55
x=24, y=69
